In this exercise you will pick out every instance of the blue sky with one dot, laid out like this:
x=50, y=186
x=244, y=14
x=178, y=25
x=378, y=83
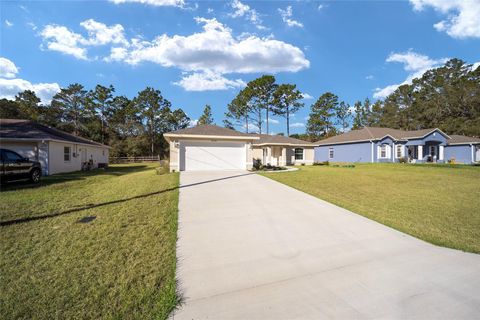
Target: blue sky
x=201, y=52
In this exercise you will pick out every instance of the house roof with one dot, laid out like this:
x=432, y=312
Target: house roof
x=210, y=131
x=266, y=139
x=377, y=133
x=18, y=129
x=458, y=139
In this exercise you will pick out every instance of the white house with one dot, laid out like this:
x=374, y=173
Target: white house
x=57, y=151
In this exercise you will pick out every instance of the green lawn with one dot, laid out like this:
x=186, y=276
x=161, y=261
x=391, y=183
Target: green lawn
x=439, y=204
x=120, y=265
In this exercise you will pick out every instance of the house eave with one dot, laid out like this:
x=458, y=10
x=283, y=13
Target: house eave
x=54, y=140
x=170, y=136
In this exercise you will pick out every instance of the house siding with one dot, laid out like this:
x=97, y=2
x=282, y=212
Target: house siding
x=348, y=152
x=461, y=153
x=58, y=165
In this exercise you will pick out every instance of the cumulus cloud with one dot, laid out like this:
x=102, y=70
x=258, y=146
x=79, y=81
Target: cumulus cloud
x=208, y=81
x=193, y=123
x=287, y=17
x=297, y=125
x=416, y=64
x=216, y=49
x=8, y=24
x=244, y=10
x=475, y=65
x=8, y=69
x=306, y=96
x=272, y=121
x=61, y=39
x=462, y=16
x=10, y=87
x=156, y=3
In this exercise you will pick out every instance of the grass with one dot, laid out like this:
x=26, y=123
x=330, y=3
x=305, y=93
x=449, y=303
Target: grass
x=439, y=204
x=96, y=245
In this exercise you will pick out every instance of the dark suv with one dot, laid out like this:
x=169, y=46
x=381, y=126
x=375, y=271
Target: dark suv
x=15, y=167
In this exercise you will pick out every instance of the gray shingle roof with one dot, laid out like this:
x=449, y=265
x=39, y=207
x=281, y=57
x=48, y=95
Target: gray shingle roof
x=209, y=130
x=29, y=130
x=376, y=133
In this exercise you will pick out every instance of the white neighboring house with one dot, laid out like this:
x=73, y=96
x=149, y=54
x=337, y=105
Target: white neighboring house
x=57, y=151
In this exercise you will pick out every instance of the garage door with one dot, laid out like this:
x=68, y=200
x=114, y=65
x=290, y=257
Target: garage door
x=212, y=155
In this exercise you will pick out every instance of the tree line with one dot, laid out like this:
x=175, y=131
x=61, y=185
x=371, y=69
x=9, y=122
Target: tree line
x=447, y=97
x=132, y=127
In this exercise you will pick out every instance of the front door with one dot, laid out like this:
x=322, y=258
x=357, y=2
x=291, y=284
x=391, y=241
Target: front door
x=433, y=153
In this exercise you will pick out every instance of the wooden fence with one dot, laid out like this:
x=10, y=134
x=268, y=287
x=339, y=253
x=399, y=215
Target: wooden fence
x=135, y=159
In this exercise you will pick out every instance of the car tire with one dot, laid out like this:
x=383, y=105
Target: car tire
x=35, y=176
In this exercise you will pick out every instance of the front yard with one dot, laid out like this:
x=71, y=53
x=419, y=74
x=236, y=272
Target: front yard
x=98, y=245
x=439, y=204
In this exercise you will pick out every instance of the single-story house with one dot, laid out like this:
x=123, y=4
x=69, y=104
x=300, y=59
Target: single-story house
x=57, y=151
x=210, y=147
x=372, y=144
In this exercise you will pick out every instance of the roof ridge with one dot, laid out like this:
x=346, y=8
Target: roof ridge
x=369, y=132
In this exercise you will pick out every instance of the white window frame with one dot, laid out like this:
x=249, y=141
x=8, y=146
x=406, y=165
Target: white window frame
x=381, y=149
x=295, y=154
x=331, y=153
x=399, y=148
x=65, y=153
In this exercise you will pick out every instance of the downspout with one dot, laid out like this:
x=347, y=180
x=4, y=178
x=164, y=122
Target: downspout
x=371, y=144
x=472, y=153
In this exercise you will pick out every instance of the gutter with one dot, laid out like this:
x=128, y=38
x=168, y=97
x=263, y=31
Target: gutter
x=56, y=140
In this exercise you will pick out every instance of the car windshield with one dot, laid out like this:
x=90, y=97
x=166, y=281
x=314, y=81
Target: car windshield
x=11, y=156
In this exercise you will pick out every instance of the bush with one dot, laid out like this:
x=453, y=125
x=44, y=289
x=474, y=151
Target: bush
x=257, y=164
x=403, y=160
x=451, y=161
x=322, y=163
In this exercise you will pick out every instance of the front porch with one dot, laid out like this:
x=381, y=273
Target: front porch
x=426, y=153
x=276, y=155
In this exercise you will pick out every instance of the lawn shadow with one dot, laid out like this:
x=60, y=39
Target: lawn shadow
x=97, y=205
x=72, y=176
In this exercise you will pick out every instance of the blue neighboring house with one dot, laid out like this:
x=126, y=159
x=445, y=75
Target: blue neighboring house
x=372, y=144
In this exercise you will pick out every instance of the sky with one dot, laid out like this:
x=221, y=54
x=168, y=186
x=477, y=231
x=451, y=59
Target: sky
x=204, y=52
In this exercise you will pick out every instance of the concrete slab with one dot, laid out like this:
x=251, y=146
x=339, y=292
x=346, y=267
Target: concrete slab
x=252, y=248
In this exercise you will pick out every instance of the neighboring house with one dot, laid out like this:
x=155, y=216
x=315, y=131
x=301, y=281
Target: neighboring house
x=209, y=147
x=57, y=151
x=372, y=144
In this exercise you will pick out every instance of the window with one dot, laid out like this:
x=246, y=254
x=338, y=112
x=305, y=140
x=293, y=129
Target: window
x=66, y=153
x=399, y=151
x=10, y=156
x=298, y=154
x=383, y=151
x=330, y=153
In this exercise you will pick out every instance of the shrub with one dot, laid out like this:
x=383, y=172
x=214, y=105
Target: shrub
x=403, y=160
x=321, y=163
x=257, y=164
x=451, y=161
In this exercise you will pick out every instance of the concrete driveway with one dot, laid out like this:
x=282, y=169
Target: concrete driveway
x=252, y=248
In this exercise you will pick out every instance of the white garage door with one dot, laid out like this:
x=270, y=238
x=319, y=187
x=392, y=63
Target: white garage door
x=212, y=155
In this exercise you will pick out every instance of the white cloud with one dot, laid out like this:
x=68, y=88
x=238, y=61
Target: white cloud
x=8, y=69
x=306, y=96
x=101, y=34
x=209, y=10
x=10, y=87
x=61, y=39
x=244, y=10
x=416, y=64
x=215, y=49
x=462, y=16
x=157, y=3
x=32, y=25
x=272, y=121
x=320, y=7
x=208, y=81
x=193, y=123
x=8, y=23
x=287, y=17
x=369, y=77
x=297, y=125
x=475, y=65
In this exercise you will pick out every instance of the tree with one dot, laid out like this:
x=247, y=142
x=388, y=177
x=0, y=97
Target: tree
x=320, y=122
x=343, y=115
x=99, y=102
x=206, y=117
x=362, y=114
x=286, y=100
x=178, y=120
x=28, y=104
x=10, y=110
x=70, y=102
x=260, y=95
x=228, y=124
x=238, y=110
x=155, y=110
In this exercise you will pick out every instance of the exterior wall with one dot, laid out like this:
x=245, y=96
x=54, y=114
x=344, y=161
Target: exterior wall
x=174, y=156
x=284, y=155
x=58, y=165
x=461, y=153
x=348, y=152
